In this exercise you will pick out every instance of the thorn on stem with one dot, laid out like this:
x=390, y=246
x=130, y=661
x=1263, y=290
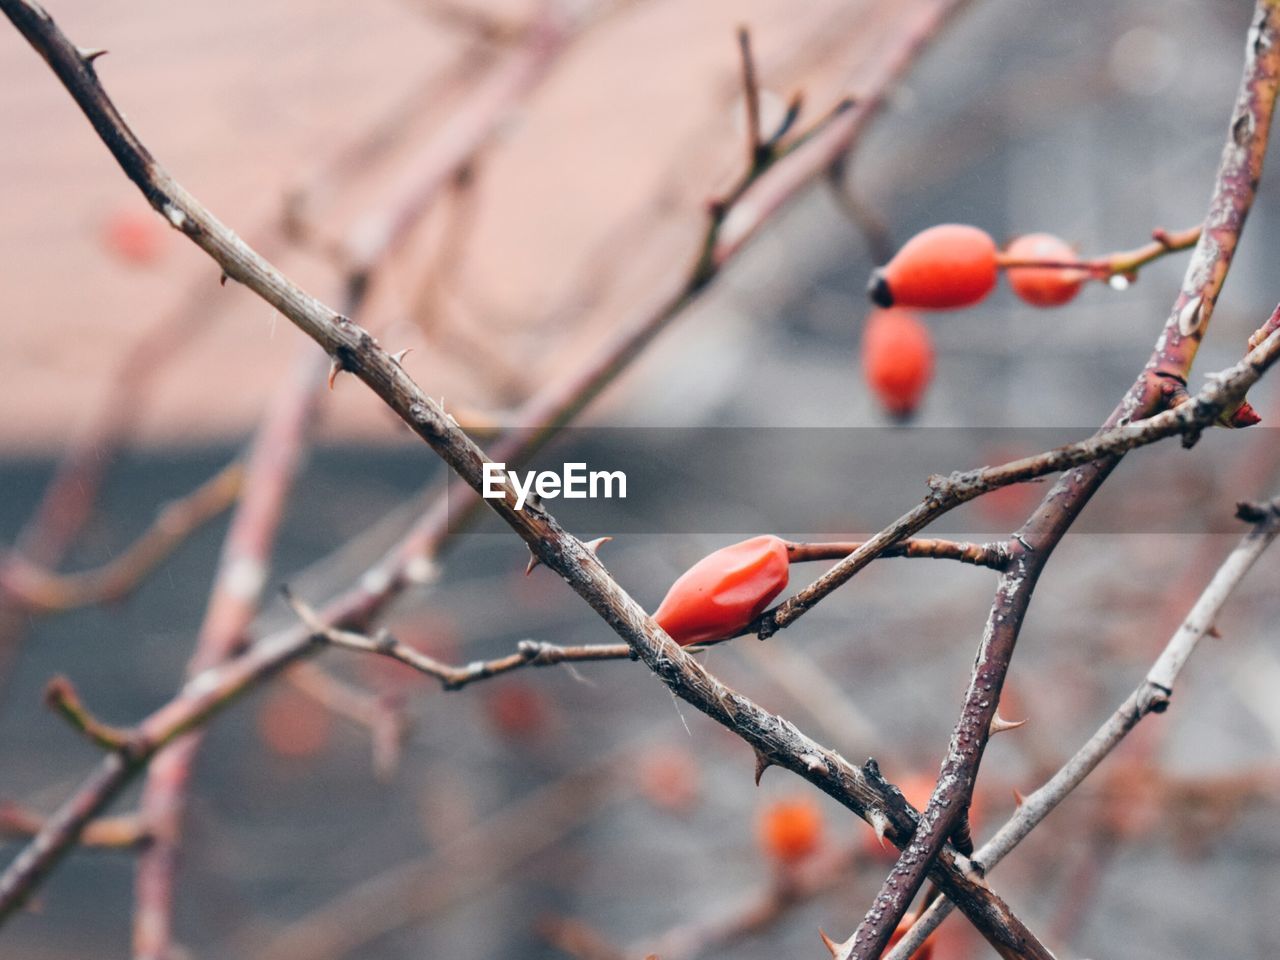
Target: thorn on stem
x=763, y=763
x=880, y=824
x=335, y=368
x=90, y=55
x=999, y=724
x=835, y=948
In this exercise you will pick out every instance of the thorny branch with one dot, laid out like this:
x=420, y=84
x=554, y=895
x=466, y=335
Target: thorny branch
x=360, y=354
x=1152, y=695
x=1234, y=189
x=356, y=351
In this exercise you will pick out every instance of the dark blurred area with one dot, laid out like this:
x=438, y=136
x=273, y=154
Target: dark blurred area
x=562, y=806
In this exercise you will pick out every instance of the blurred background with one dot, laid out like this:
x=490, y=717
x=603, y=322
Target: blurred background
x=559, y=160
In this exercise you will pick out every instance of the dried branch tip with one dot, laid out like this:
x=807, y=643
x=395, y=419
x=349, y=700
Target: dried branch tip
x=60, y=695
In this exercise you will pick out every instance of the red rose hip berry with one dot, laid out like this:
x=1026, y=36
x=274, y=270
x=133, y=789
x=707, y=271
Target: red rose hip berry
x=724, y=591
x=1043, y=286
x=945, y=267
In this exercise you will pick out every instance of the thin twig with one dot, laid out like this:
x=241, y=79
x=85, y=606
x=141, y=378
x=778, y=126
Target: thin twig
x=270, y=470
x=357, y=352
x=1153, y=695
x=44, y=591
x=124, y=833
x=1125, y=263
x=1234, y=189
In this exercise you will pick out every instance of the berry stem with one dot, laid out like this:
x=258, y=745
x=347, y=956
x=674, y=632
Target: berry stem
x=1122, y=263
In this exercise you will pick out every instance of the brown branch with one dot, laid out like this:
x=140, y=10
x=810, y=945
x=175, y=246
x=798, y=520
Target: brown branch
x=1153, y=695
x=434, y=167
x=60, y=696
x=1233, y=193
x=1125, y=263
x=756, y=155
x=356, y=351
x=271, y=468
x=993, y=555
x=44, y=591
x=107, y=833
x=1188, y=419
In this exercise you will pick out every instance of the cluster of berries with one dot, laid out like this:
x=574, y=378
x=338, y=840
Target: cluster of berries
x=945, y=268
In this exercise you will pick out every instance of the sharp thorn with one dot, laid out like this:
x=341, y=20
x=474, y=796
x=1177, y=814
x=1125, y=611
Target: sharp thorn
x=999, y=724
x=88, y=56
x=222, y=279
x=1019, y=798
x=829, y=943
x=763, y=763
x=880, y=824
x=398, y=357
x=335, y=368
x=533, y=562
x=595, y=545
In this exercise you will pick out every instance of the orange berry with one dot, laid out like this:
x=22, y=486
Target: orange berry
x=1044, y=286
x=669, y=778
x=897, y=359
x=790, y=830
x=293, y=725
x=724, y=591
x=135, y=236
x=517, y=711
x=942, y=268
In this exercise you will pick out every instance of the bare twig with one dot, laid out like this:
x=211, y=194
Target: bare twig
x=1151, y=696
x=1223, y=390
x=359, y=353
x=43, y=590
x=108, y=833
x=1125, y=263
x=60, y=695
x=271, y=468
x=1234, y=189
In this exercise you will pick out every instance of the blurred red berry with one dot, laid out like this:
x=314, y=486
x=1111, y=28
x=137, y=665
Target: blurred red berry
x=897, y=360
x=517, y=711
x=790, y=830
x=669, y=778
x=291, y=724
x=1044, y=286
x=134, y=236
